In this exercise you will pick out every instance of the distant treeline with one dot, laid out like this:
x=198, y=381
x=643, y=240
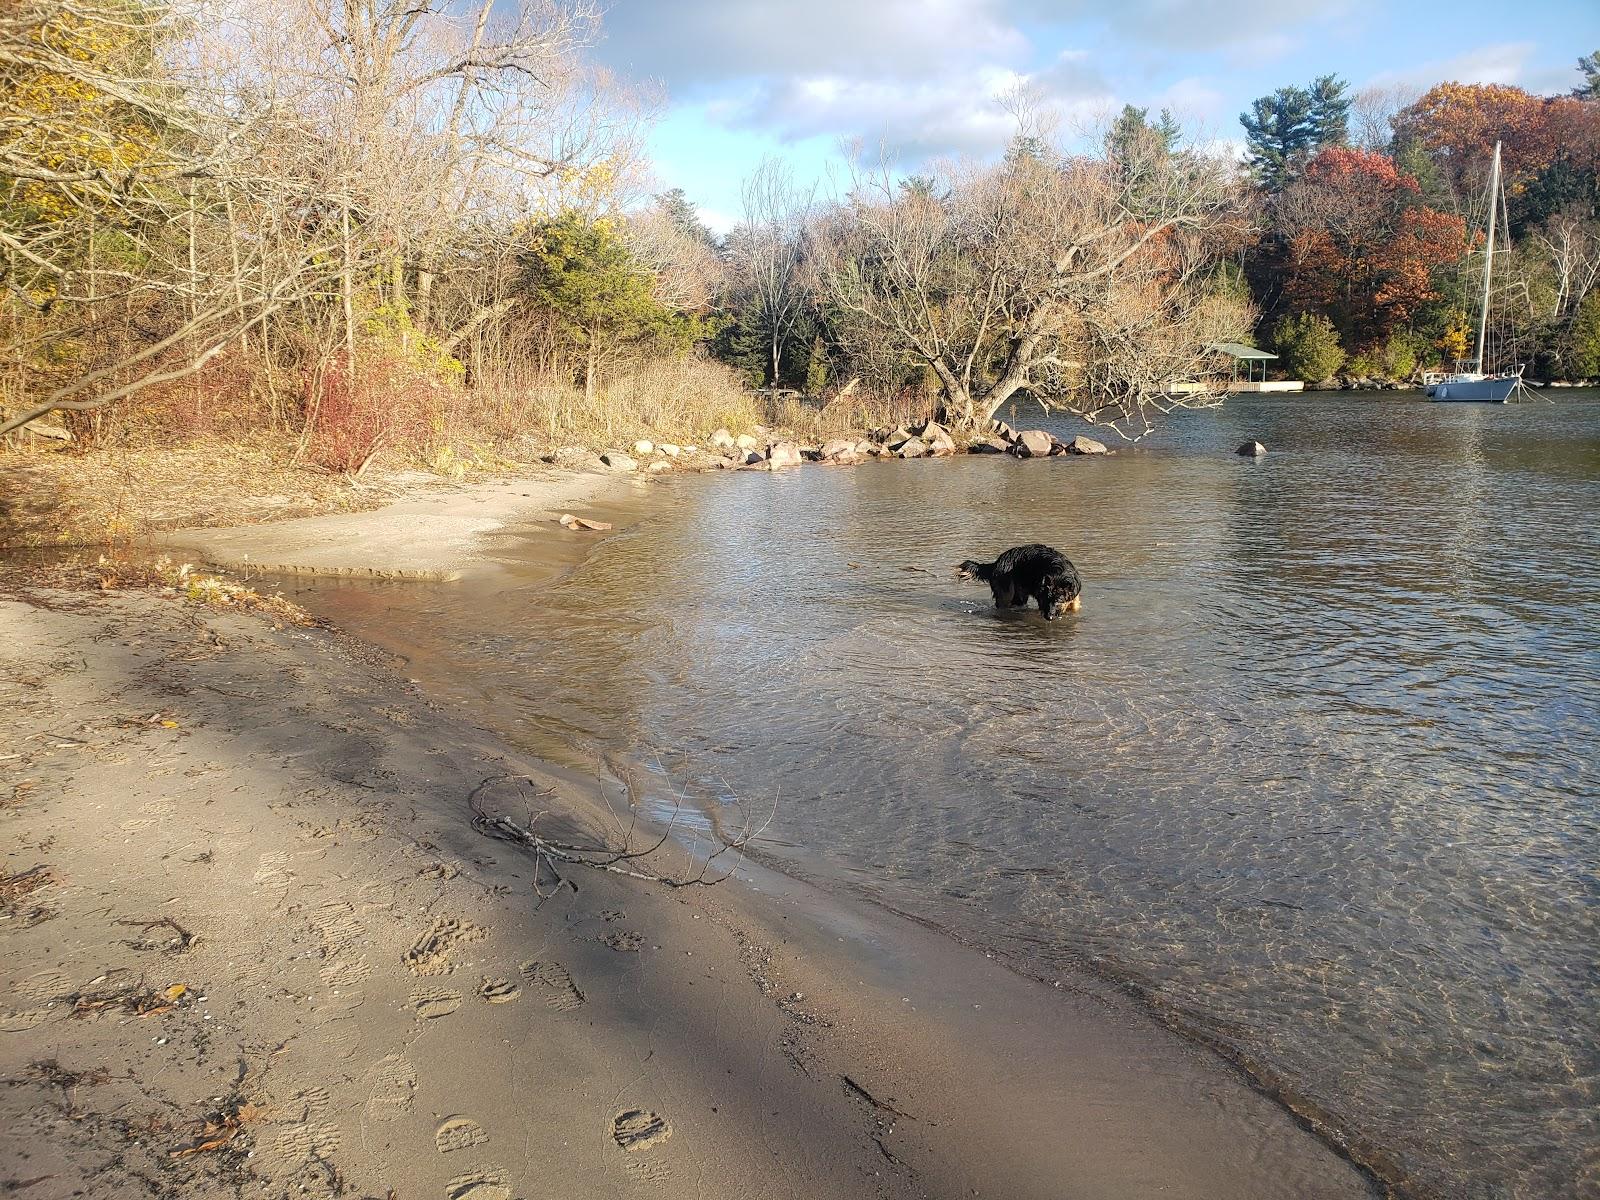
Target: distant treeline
x=415, y=224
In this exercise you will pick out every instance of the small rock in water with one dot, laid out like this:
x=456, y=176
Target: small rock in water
x=911, y=448
x=783, y=454
x=618, y=461
x=658, y=466
x=837, y=448
x=1251, y=450
x=1086, y=445
x=987, y=446
x=1034, y=443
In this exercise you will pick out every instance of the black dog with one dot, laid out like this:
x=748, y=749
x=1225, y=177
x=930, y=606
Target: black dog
x=1025, y=572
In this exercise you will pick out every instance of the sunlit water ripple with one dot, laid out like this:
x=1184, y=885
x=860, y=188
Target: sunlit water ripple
x=1312, y=768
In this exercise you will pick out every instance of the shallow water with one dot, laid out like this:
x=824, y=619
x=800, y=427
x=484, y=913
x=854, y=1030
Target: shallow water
x=1313, y=767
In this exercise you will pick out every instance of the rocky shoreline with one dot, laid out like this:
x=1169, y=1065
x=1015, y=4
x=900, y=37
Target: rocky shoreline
x=762, y=451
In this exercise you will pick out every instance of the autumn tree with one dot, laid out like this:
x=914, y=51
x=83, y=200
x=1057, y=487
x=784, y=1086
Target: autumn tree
x=1458, y=124
x=1360, y=247
x=137, y=235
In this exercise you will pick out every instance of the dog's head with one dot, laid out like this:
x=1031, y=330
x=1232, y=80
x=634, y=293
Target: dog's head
x=970, y=570
x=1059, y=597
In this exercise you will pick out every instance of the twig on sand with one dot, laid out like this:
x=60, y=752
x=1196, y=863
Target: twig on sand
x=602, y=858
x=873, y=1100
x=177, y=945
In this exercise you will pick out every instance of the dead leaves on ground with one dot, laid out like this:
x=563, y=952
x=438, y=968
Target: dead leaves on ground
x=139, y=1003
x=219, y=1130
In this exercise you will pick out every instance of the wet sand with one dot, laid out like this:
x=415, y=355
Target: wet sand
x=378, y=999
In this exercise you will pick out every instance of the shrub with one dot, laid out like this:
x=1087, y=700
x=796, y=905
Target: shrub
x=1309, y=346
x=1583, y=342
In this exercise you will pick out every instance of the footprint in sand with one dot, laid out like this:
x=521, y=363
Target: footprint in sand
x=17, y=1022
x=136, y=824
x=499, y=991
x=612, y=914
x=643, y=1171
x=336, y=924
x=636, y=1129
x=272, y=872
x=432, y=1003
x=158, y=808
x=45, y=986
x=308, y=1104
x=302, y=1142
x=624, y=940
x=393, y=1087
x=458, y=1133
x=560, y=992
x=488, y=1183
x=429, y=953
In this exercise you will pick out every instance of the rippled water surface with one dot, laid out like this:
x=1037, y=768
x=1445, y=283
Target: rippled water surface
x=1313, y=768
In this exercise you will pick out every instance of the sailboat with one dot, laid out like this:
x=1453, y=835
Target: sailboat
x=1475, y=384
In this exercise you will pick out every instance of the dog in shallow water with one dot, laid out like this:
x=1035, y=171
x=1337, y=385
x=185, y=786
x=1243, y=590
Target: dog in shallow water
x=1030, y=572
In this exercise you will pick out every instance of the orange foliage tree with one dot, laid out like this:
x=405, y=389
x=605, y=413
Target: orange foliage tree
x=1361, y=247
x=1459, y=123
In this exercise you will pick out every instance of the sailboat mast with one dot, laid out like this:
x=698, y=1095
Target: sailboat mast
x=1488, y=255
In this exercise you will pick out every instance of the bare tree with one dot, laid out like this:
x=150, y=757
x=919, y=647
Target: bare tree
x=125, y=261
x=768, y=250
x=1082, y=283
x=1372, y=113
x=1572, y=244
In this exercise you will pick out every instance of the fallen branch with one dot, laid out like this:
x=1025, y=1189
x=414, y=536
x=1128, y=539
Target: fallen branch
x=601, y=858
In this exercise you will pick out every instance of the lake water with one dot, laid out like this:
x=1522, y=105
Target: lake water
x=1312, y=770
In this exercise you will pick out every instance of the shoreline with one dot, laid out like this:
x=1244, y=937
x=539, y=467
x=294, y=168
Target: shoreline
x=626, y=500
x=926, y=1020
x=342, y=911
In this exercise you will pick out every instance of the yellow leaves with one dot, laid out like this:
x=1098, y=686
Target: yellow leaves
x=1456, y=337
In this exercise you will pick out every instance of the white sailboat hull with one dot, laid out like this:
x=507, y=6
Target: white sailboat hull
x=1490, y=390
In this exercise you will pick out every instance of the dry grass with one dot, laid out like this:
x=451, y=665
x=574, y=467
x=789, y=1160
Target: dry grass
x=812, y=421
x=137, y=480
x=666, y=399
x=117, y=496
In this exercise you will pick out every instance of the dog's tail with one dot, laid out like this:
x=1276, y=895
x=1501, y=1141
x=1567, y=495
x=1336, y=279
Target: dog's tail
x=976, y=570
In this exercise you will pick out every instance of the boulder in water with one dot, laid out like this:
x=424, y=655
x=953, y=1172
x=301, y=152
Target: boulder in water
x=616, y=460
x=783, y=454
x=1251, y=450
x=1034, y=443
x=1086, y=445
x=911, y=448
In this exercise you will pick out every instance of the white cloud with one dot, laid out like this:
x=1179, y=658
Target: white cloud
x=691, y=44
x=921, y=76
x=1505, y=62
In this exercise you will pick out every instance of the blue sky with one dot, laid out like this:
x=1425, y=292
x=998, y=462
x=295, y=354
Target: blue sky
x=795, y=78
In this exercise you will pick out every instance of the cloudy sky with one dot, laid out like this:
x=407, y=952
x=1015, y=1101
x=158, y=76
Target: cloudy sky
x=745, y=78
